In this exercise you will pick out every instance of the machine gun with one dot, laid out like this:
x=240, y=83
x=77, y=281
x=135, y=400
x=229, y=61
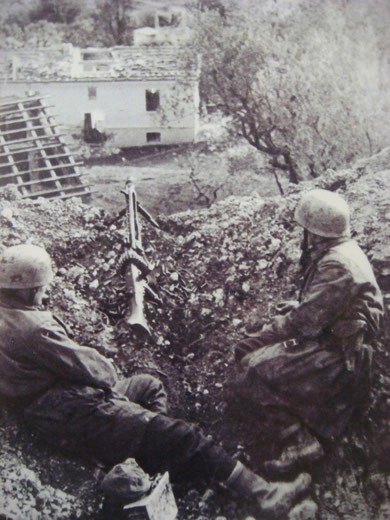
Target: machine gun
x=133, y=262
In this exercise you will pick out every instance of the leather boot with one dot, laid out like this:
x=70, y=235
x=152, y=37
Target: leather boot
x=304, y=451
x=273, y=498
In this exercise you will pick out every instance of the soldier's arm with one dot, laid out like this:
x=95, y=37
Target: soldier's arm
x=329, y=294
x=54, y=350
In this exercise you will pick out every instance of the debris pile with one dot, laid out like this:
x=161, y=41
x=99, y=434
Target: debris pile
x=28, y=493
x=22, y=493
x=219, y=270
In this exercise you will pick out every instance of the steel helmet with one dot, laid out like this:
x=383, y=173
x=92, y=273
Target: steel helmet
x=323, y=213
x=25, y=266
x=126, y=481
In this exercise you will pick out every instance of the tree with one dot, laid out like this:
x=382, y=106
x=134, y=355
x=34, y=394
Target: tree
x=43, y=34
x=84, y=32
x=214, y=5
x=292, y=82
x=38, y=34
x=56, y=11
x=11, y=36
x=113, y=18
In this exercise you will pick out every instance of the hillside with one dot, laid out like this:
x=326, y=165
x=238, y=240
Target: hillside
x=218, y=269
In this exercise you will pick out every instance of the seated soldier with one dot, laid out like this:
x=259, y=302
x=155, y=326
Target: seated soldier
x=311, y=365
x=73, y=397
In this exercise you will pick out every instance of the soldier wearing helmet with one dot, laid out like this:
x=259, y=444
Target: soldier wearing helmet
x=28, y=269
x=324, y=214
x=73, y=396
x=309, y=368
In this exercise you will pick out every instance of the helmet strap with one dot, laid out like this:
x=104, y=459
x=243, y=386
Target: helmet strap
x=304, y=261
x=22, y=296
x=27, y=295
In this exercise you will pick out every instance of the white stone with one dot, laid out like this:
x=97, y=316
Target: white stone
x=246, y=287
x=219, y=295
x=262, y=264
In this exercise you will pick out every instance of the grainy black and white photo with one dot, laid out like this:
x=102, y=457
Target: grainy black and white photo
x=194, y=259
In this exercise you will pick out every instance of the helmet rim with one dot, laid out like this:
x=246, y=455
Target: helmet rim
x=323, y=213
x=25, y=266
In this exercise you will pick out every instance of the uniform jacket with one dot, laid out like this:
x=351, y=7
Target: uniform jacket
x=66, y=391
x=314, y=360
x=339, y=298
x=36, y=353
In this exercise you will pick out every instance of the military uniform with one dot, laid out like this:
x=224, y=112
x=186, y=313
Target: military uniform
x=73, y=396
x=314, y=360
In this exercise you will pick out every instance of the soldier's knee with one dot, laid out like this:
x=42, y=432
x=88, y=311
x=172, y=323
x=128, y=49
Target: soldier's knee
x=148, y=382
x=148, y=391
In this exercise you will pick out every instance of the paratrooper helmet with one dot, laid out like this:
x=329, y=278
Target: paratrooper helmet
x=25, y=266
x=323, y=213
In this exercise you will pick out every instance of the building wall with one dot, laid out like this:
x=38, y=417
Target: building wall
x=119, y=108
x=161, y=35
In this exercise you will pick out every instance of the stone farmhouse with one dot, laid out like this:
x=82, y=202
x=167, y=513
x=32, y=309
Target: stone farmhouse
x=168, y=27
x=134, y=96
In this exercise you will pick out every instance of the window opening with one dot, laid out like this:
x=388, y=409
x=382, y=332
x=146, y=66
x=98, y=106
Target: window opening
x=153, y=137
x=152, y=100
x=164, y=20
x=91, y=133
x=96, y=55
x=92, y=93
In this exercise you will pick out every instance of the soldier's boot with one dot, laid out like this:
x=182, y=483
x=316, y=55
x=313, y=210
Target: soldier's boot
x=274, y=499
x=304, y=451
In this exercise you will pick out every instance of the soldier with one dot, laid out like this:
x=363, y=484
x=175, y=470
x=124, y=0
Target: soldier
x=73, y=396
x=312, y=363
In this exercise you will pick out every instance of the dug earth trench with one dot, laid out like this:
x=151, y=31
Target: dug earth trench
x=217, y=270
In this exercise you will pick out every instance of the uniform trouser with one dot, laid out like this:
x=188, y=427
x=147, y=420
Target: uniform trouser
x=183, y=450
x=131, y=421
x=173, y=444
x=146, y=390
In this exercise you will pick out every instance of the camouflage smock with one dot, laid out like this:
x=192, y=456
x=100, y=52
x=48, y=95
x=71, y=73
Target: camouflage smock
x=66, y=391
x=315, y=359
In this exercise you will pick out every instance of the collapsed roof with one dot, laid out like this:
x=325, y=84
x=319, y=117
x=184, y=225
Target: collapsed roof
x=33, y=154
x=68, y=63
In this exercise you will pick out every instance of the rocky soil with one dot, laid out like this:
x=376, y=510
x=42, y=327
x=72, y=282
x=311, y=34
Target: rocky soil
x=217, y=270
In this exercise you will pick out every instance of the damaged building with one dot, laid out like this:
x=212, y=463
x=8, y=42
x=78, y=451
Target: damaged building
x=133, y=96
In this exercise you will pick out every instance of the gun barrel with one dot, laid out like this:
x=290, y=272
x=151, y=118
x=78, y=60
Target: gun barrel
x=133, y=261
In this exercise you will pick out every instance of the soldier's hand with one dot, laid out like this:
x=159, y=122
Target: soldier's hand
x=286, y=306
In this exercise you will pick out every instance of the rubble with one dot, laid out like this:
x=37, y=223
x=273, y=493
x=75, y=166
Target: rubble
x=66, y=63
x=219, y=270
x=24, y=496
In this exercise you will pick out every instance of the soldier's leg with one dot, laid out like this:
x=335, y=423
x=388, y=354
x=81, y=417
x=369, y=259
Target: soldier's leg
x=111, y=428
x=294, y=446
x=247, y=394
x=183, y=450
x=145, y=390
x=301, y=450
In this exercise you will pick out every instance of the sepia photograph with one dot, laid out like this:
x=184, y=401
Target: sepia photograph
x=194, y=259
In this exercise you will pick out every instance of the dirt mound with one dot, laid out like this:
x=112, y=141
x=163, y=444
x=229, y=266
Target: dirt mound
x=218, y=270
